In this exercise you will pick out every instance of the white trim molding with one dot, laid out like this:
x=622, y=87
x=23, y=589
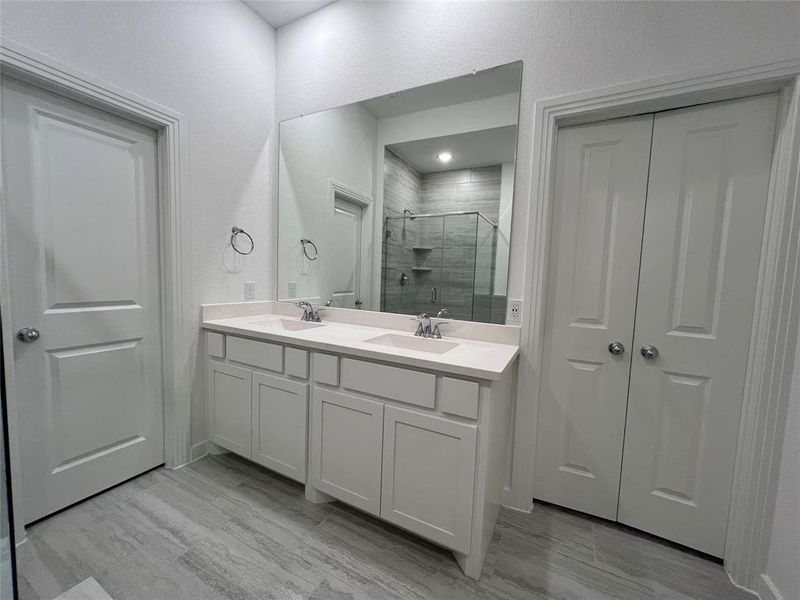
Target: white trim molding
x=778, y=297
x=28, y=65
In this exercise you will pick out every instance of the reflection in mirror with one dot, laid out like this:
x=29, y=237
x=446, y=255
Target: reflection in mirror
x=407, y=197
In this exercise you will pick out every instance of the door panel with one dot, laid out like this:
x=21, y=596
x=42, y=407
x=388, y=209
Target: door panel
x=429, y=476
x=346, y=444
x=81, y=220
x=230, y=407
x=280, y=410
x=600, y=188
x=99, y=169
x=702, y=240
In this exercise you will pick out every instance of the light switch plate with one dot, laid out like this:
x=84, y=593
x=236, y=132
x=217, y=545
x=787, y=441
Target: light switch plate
x=514, y=316
x=249, y=290
x=292, y=289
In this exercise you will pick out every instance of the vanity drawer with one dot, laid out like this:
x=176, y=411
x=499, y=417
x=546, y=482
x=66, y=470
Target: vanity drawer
x=297, y=363
x=257, y=354
x=215, y=344
x=459, y=397
x=394, y=383
x=326, y=368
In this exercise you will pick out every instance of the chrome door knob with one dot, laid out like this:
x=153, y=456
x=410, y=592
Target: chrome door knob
x=616, y=348
x=358, y=302
x=28, y=335
x=649, y=352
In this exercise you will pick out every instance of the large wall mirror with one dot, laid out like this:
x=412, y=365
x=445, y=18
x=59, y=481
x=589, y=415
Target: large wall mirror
x=403, y=203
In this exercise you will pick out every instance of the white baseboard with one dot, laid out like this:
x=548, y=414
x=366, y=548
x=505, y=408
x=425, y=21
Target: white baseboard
x=198, y=450
x=513, y=501
x=767, y=590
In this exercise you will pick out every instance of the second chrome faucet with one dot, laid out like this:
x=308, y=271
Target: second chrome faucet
x=309, y=312
x=426, y=329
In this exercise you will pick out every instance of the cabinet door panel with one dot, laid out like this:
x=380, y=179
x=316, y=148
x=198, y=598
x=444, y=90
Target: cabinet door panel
x=346, y=441
x=429, y=476
x=280, y=408
x=229, y=406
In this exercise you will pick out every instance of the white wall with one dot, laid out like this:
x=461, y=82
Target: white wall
x=214, y=63
x=336, y=144
x=783, y=565
x=352, y=51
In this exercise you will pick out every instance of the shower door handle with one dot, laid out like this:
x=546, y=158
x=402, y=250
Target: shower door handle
x=434, y=295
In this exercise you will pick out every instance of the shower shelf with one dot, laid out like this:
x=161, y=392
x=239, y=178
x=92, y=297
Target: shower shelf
x=421, y=269
x=422, y=248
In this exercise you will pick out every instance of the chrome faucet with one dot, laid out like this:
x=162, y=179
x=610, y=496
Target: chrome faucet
x=424, y=327
x=309, y=312
x=436, y=333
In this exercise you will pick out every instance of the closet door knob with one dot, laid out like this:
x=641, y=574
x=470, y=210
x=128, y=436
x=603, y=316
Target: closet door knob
x=649, y=352
x=616, y=348
x=28, y=335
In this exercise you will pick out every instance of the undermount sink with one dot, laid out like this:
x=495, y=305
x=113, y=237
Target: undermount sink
x=289, y=325
x=408, y=342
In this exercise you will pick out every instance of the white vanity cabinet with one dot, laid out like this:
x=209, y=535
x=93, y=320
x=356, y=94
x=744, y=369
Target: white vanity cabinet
x=420, y=449
x=256, y=409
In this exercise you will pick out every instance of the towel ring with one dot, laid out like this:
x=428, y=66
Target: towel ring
x=236, y=231
x=306, y=242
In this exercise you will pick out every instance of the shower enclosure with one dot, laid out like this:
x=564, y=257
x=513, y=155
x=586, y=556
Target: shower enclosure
x=437, y=260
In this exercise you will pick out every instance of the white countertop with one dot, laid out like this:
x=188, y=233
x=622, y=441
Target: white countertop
x=471, y=358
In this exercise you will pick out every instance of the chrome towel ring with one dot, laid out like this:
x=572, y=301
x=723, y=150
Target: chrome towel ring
x=306, y=242
x=236, y=231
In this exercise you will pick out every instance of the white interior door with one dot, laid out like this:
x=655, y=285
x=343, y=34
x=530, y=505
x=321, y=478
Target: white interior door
x=346, y=256
x=81, y=227
x=600, y=189
x=702, y=240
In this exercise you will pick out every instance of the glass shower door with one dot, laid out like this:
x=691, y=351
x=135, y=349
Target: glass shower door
x=458, y=265
x=483, y=305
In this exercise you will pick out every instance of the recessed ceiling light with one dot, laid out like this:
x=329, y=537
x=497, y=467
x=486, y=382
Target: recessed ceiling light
x=444, y=156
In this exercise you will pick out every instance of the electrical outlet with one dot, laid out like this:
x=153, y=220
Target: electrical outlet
x=292, y=289
x=514, y=316
x=249, y=290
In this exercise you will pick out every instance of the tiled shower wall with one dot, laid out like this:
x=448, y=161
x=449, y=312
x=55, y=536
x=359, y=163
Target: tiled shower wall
x=402, y=189
x=467, y=266
x=461, y=270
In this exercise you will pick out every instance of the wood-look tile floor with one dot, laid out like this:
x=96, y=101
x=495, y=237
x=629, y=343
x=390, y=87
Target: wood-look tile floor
x=222, y=528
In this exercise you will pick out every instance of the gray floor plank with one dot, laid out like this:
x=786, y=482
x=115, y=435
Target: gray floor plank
x=239, y=571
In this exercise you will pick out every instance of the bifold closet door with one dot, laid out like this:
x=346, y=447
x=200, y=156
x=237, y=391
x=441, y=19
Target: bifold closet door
x=600, y=189
x=706, y=200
